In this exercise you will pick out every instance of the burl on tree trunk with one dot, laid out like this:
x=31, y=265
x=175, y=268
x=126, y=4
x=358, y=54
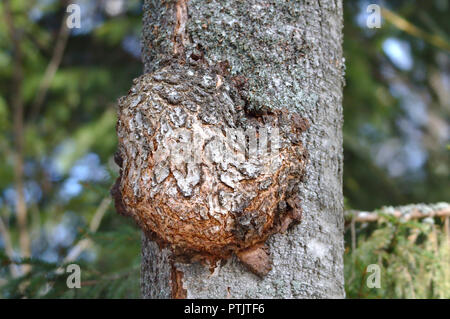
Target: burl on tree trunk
x=201, y=172
x=212, y=149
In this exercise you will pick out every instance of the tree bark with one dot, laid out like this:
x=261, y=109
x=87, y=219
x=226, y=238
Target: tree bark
x=291, y=54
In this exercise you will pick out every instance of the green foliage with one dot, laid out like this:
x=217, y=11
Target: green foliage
x=414, y=259
x=69, y=144
x=117, y=279
x=395, y=115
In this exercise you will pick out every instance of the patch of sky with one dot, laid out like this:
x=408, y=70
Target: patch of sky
x=38, y=9
x=399, y=52
x=405, y=154
x=114, y=7
x=86, y=169
x=132, y=44
x=32, y=193
x=57, y=235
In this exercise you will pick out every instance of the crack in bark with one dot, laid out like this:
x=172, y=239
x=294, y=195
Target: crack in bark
x=180, y=38
x=176, y=278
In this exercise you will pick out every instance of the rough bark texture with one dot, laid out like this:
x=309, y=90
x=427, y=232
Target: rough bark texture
x=201, y=173
x=290, y=53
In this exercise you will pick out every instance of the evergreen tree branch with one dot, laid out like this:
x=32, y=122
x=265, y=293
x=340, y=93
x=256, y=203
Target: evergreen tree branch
x=85, y=243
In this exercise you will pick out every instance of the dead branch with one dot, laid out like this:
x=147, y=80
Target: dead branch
x=406, y=213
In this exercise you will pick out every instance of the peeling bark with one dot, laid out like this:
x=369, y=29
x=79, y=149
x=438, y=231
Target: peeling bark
x=285, y=55
x=180, y=36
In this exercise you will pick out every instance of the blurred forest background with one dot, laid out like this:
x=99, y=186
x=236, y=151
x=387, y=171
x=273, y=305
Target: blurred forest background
x=58, y=91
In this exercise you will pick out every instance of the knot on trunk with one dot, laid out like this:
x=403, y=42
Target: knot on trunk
x=198, y=172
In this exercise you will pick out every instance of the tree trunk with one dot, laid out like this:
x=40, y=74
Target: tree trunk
x=291, y=54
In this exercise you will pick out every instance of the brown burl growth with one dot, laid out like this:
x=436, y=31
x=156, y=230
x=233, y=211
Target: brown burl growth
x=199, y=172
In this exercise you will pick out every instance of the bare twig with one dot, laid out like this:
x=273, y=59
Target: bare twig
x=52, y=67
x=410, y=281
x=408, y=27
x=17, y=107
x=93, y=227
x=353, y=233
x=447, y=228
x=85, y=243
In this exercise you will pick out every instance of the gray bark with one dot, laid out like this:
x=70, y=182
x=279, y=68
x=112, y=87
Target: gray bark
x=291, y=54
